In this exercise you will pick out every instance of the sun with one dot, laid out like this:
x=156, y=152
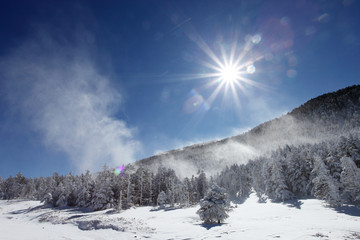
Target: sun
x=229, y=71
x=229, y=74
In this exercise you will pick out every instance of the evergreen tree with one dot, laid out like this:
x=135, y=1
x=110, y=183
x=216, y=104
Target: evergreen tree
x=128, y=180
x=69, y=186
x=195, y=195
x=350, y=178
x=140, y=185
x=19, y=183
x=8, y=188
x=161, y=199
x=102, y=196
x=59, y=197
x=297, y=174
x=28, y=190
x=214, y=206
x=186, y=191
x=324, y=185
x=1, y=188
x=276, y=187
x=258, y=175
x=202, y=185
x=83, y=191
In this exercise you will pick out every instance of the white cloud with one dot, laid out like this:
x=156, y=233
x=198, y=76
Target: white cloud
x=58, y=89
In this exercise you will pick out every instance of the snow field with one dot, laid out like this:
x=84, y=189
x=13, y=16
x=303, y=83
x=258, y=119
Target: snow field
x=305, y=219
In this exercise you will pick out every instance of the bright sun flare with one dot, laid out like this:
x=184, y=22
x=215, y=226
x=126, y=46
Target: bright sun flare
x=230, y=70
x=229, y=74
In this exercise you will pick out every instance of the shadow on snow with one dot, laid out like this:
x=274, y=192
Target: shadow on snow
x=348, y=210
x=294, y=203
x=208, y=226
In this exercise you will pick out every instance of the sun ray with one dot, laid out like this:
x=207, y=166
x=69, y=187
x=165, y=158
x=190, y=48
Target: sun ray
x=229, y=71
x=214, y=94
x=236, y=97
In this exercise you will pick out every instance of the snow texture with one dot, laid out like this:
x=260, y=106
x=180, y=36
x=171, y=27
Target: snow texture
x=305, y=219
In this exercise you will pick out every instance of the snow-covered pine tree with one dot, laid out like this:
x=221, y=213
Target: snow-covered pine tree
x=350, y=178
x=12, y=186
x=161, y=199
x=202, y=184
x=1, y=188
x=46, y=186
x=119, y=204
x=149, y=187
x=194, y=191
x=297, y=173
x=171, y=180
x=186, y=190
x=69, y=185
x=181, y=194
x=324, y=185
x=139, y=185
x=159, y=181
x=276, y=187
x=59, y=197
x=236, y=180
x=214, y=206
x=28, y=191
x=102, y=196
x=83, y=189
x=258, y=175
x=128, y=180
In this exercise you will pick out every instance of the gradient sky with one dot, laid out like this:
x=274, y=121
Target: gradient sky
x=84, y=83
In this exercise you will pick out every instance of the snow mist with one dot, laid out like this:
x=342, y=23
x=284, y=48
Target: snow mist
x=55, y=86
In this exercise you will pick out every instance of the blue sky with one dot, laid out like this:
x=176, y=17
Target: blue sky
x=84, y=83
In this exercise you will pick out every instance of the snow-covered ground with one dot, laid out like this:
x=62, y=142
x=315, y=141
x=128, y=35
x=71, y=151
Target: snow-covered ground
x=305, y=219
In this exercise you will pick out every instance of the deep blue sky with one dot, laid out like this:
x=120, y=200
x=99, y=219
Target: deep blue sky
x=83, y=83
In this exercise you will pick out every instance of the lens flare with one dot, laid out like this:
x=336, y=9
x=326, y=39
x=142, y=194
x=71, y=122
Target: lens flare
x=324, y=18
x=118, y=170
x=251, y=69
x=256, y=39
x=195, y=103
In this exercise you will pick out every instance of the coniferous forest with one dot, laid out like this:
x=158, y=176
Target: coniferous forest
x=328, y=170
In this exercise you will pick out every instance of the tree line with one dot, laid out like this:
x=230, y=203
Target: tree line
x=329, y=170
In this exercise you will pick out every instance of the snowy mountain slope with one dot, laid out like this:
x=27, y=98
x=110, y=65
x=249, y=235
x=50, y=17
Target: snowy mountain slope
x=305, y=219
x=325, y=117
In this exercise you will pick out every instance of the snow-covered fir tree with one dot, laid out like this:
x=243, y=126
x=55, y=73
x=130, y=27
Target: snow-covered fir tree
x=85, y=186
x=1, y=188
x=214, y=206
x=161, y=199
x=350, y=178
x=102, y=196
x=325, y=186
x=202, y=184
x=59, y=198
x=297, y=172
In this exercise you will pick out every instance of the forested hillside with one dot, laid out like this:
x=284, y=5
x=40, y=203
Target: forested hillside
x=328, y=116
